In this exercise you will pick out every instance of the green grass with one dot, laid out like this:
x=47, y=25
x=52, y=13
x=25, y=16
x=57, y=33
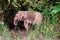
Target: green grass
x=46, y=30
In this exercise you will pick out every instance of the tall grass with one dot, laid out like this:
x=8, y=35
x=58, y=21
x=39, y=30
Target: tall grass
x=46, y=31
x=4, y=32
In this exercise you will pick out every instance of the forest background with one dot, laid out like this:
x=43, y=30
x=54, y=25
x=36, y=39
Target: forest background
x=50, y=10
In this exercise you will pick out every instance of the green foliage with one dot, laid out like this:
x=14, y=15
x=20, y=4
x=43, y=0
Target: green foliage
x=6, y=35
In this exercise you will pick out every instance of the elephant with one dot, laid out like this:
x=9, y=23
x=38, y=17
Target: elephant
x=28, y=17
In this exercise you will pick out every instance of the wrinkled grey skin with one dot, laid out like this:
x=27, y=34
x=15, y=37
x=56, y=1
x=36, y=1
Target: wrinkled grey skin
x=28, y=17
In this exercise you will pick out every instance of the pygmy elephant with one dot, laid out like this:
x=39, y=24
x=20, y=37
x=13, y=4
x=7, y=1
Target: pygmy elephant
x=28, y=17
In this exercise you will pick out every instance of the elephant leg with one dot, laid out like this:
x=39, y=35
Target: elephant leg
x=26, y=25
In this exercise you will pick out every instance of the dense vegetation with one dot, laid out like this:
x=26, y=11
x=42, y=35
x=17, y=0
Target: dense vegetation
x=50, y=9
